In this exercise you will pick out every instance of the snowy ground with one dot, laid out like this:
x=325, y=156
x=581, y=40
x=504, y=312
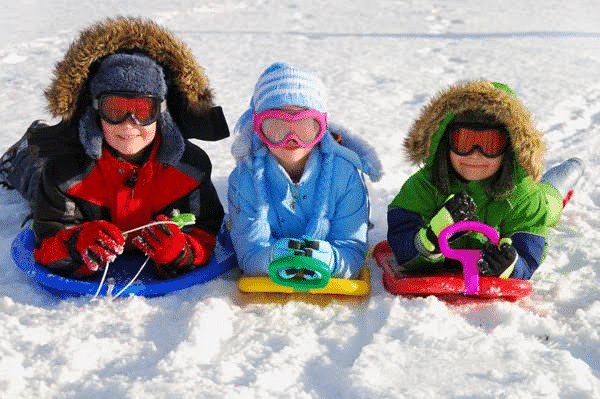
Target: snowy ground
x=382, y=61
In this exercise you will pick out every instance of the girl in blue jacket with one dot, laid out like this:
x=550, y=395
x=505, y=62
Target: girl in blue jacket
x=295, y=191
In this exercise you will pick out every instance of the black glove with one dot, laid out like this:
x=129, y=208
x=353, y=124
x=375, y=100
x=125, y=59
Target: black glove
x=461, y=207
x=498, y=261
x=457, y=208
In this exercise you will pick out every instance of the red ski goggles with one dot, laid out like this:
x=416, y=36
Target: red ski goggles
x=490, y=141
x=117, y=107
x=276, y=127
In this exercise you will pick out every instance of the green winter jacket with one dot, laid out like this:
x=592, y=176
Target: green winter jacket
x=525, y=211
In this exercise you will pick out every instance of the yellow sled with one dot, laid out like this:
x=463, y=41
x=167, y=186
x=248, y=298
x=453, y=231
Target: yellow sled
x=262, y=289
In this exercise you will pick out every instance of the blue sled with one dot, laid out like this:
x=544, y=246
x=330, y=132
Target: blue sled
x=120, y=272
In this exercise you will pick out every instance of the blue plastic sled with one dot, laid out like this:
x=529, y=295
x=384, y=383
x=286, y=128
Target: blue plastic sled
x=120, y=272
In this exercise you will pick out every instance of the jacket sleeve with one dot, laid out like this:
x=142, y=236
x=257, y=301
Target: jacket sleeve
x=251, y=238
x=530, y=248
x=201, y=237
x=348, y=229
x=403, y=226
x=203, y=202
x=53, y=214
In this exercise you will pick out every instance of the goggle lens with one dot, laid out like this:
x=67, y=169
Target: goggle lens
x=116, y=108
x=276, y=128
x=491, y=142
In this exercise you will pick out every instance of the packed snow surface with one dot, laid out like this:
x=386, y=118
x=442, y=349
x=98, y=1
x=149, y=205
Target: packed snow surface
x=382, y=61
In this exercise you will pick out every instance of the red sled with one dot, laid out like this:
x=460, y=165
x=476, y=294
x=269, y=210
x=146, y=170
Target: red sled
x=452, y=287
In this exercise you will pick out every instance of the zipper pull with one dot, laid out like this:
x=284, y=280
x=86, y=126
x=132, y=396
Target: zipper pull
x=132, y=181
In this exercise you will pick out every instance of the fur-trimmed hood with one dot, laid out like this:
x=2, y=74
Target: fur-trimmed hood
x=189, y=96
x=494, y=99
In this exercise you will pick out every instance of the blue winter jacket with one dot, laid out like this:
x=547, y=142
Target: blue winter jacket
x=291, y=206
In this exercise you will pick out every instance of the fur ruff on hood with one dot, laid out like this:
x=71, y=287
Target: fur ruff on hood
x=492, y=98
x=66, y=91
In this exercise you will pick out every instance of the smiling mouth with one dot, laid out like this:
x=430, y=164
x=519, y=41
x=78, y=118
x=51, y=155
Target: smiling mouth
x=291, y=145
x=475, y=165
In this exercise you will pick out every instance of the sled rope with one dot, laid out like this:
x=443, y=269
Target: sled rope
x=103, y=279
x=132, y=280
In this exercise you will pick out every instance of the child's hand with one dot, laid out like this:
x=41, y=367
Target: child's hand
x=320, y=250
x=98, y=242
x=460, y=207
x=498, y=261
x=285, y=247
x=165, y=244
x=457, y=208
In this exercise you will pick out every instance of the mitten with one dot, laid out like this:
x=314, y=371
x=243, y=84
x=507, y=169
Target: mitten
x=283, y=248
x=81, y=251
x=321, y=251
x=97, y=242
x=456, y=208
x=498, y=261
x=173, y=251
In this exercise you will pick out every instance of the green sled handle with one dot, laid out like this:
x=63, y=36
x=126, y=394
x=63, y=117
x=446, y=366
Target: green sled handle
x=299, y=262
x=184, y=219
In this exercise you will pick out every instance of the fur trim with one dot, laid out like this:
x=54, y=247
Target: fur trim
x=125, y=34
x=490, y=98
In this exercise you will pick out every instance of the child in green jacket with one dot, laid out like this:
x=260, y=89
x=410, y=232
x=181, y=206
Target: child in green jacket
x=482, y=160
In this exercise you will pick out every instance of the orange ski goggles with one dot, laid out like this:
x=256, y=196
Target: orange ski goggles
x=116, y=107
x=490, y=141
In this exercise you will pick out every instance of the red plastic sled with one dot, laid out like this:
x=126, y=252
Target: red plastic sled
x=448, y=286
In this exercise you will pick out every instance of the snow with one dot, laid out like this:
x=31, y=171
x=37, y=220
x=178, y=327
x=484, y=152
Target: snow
x=382, y=61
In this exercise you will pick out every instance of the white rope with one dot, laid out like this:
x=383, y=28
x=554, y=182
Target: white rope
x=101, y=282
x=140, y=269
x=148, y=225
x=132, y=280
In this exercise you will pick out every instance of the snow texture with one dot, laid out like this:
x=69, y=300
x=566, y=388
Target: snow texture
x=381, y=60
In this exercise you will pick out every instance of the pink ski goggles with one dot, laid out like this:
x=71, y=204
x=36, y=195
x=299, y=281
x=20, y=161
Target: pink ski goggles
x=276, y=127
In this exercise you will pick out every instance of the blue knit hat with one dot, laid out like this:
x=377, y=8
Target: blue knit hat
x=279, y=85
x=135, y=73
x=282, y=84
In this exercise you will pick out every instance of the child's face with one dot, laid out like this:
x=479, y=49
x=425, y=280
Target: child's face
x=128, y=137
x=476, y=166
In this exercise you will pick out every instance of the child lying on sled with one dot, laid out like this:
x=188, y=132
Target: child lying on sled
x=483, y=159
x=295, y=193
x=120, y=159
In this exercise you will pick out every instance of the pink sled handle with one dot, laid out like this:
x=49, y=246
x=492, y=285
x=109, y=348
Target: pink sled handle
x=468, y=257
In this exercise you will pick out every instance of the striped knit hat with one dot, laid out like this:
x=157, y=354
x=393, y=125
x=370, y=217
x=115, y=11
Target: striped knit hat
x=280, y=85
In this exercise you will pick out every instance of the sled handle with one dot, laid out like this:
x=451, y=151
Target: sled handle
x=468, y=257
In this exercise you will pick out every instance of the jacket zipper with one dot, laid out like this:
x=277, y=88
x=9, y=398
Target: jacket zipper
x=294, y=196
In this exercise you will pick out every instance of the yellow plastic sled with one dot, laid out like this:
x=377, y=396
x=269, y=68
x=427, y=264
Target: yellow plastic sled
x=263, y=290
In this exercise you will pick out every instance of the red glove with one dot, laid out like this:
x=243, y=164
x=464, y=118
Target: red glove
x=173, y=251
x=98, y=242
x=81, y=251
x=162, y=242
